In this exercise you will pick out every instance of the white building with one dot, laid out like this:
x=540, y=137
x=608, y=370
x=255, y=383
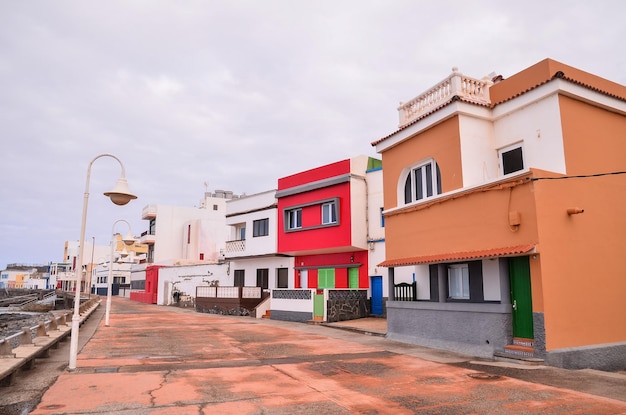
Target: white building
x=187, y=235
x=251, y=251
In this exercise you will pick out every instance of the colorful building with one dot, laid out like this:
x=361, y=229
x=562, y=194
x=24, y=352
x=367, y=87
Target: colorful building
x=506, y=198
x=322, y=224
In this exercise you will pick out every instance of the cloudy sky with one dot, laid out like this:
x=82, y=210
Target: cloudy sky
x=236, y=93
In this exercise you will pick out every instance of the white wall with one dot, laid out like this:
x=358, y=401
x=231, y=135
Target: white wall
x=209, y=231
x=250, y=266
x=246, y=210
x=536, y=125
x=186, y=278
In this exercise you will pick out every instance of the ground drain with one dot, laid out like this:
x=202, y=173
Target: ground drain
x=483, y=376
x=107, y=370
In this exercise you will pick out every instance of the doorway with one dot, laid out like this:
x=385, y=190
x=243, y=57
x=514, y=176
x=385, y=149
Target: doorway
x=521, y=297
x=377, y=295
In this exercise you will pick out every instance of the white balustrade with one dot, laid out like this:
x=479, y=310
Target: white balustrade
x=251, y=292
x=236, y=246
x=456, y=84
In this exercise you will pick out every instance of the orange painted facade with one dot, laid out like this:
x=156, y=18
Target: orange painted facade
x=576, y=263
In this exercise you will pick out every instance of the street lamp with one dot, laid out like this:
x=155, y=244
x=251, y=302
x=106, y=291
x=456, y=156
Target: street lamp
x=120, y=195
x=128, y=240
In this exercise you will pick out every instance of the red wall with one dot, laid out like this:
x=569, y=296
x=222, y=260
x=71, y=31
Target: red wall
x=148, y=296
x=313, y=175
x=321, y=238
x=313, y=262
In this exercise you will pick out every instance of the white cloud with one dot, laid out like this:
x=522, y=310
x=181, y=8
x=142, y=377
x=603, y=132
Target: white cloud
x=236, y=92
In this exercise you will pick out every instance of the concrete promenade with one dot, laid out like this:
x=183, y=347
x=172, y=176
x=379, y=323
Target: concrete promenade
x=161, y=360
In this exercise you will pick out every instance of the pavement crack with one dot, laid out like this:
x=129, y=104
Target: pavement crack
x=152, y=392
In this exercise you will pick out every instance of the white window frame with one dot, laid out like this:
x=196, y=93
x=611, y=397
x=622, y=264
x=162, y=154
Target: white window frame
x=294, y=219
x=458, y=282
x=329, y=213
x=506, y=149
x=420, y=169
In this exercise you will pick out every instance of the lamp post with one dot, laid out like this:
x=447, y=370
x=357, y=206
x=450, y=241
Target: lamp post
x=120, y=195
x=128, y=241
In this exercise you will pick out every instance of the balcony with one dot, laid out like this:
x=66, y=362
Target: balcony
x=235, y=246
x=147, y=238
x=149, y=212
x=456, y=84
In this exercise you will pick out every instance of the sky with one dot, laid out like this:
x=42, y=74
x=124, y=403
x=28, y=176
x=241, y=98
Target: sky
x=234, y=94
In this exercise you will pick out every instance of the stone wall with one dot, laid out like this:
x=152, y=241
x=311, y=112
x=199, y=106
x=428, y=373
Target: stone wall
x=347, y=305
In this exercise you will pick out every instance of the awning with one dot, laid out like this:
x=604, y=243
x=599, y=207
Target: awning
x=458, y=256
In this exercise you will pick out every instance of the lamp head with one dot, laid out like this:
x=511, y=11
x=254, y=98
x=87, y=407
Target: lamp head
x=129, y=239
x=120, y=195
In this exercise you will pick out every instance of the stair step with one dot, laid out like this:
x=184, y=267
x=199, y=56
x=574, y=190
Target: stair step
x=520, y=341
x=515, y=358
x=519, y=350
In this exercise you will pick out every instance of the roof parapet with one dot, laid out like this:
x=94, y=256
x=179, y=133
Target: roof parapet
x=455, y=85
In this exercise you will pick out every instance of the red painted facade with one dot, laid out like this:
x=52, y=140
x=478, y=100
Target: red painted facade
x=316, y=245
x=149, y=295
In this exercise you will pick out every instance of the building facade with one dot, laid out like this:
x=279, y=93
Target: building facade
x=505, y=198
x=322, y=224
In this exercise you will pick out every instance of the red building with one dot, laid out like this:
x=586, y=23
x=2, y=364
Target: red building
x=322, y=223
x=149, y=293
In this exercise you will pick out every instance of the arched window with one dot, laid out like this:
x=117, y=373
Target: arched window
x=422, y=181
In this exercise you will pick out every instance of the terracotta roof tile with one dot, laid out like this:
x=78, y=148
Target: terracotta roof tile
x=458, y=256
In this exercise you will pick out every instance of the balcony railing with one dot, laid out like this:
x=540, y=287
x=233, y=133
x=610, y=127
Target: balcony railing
x=229, y=300
x=147, y=238
x=149, y=212
x=456, y=84
x=235, y=246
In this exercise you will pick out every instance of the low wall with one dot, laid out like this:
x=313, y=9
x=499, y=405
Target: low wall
x=20, y=351
x=608, y=357
x=345, y=305
x=473, y=329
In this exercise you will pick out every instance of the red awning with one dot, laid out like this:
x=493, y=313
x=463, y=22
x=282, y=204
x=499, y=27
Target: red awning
x=458, y=256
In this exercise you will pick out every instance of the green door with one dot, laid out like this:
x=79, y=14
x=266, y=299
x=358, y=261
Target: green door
x=521, y=297
x=318, y=305
x=353, y=278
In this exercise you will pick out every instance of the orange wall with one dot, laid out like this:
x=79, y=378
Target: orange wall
x=440, y=142
x=582, y=255
x=588, y=132
x=582, y=260
x=472, y=222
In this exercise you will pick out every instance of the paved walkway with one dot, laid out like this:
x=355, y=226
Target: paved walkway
x=161, y=360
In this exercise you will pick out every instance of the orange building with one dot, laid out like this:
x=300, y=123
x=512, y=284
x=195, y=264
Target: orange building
x=507, y=199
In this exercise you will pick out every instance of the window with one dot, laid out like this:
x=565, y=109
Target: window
x=382, y=218
x=458, y=282
x=294, y=219
x=511, y=159
x=326, y=278
x=282, y=278
x=240, y=278
x=260, y=227
x=240, y=232
x=152, y=227
x=422, y=182
x=329, y=213
x=262, y=278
